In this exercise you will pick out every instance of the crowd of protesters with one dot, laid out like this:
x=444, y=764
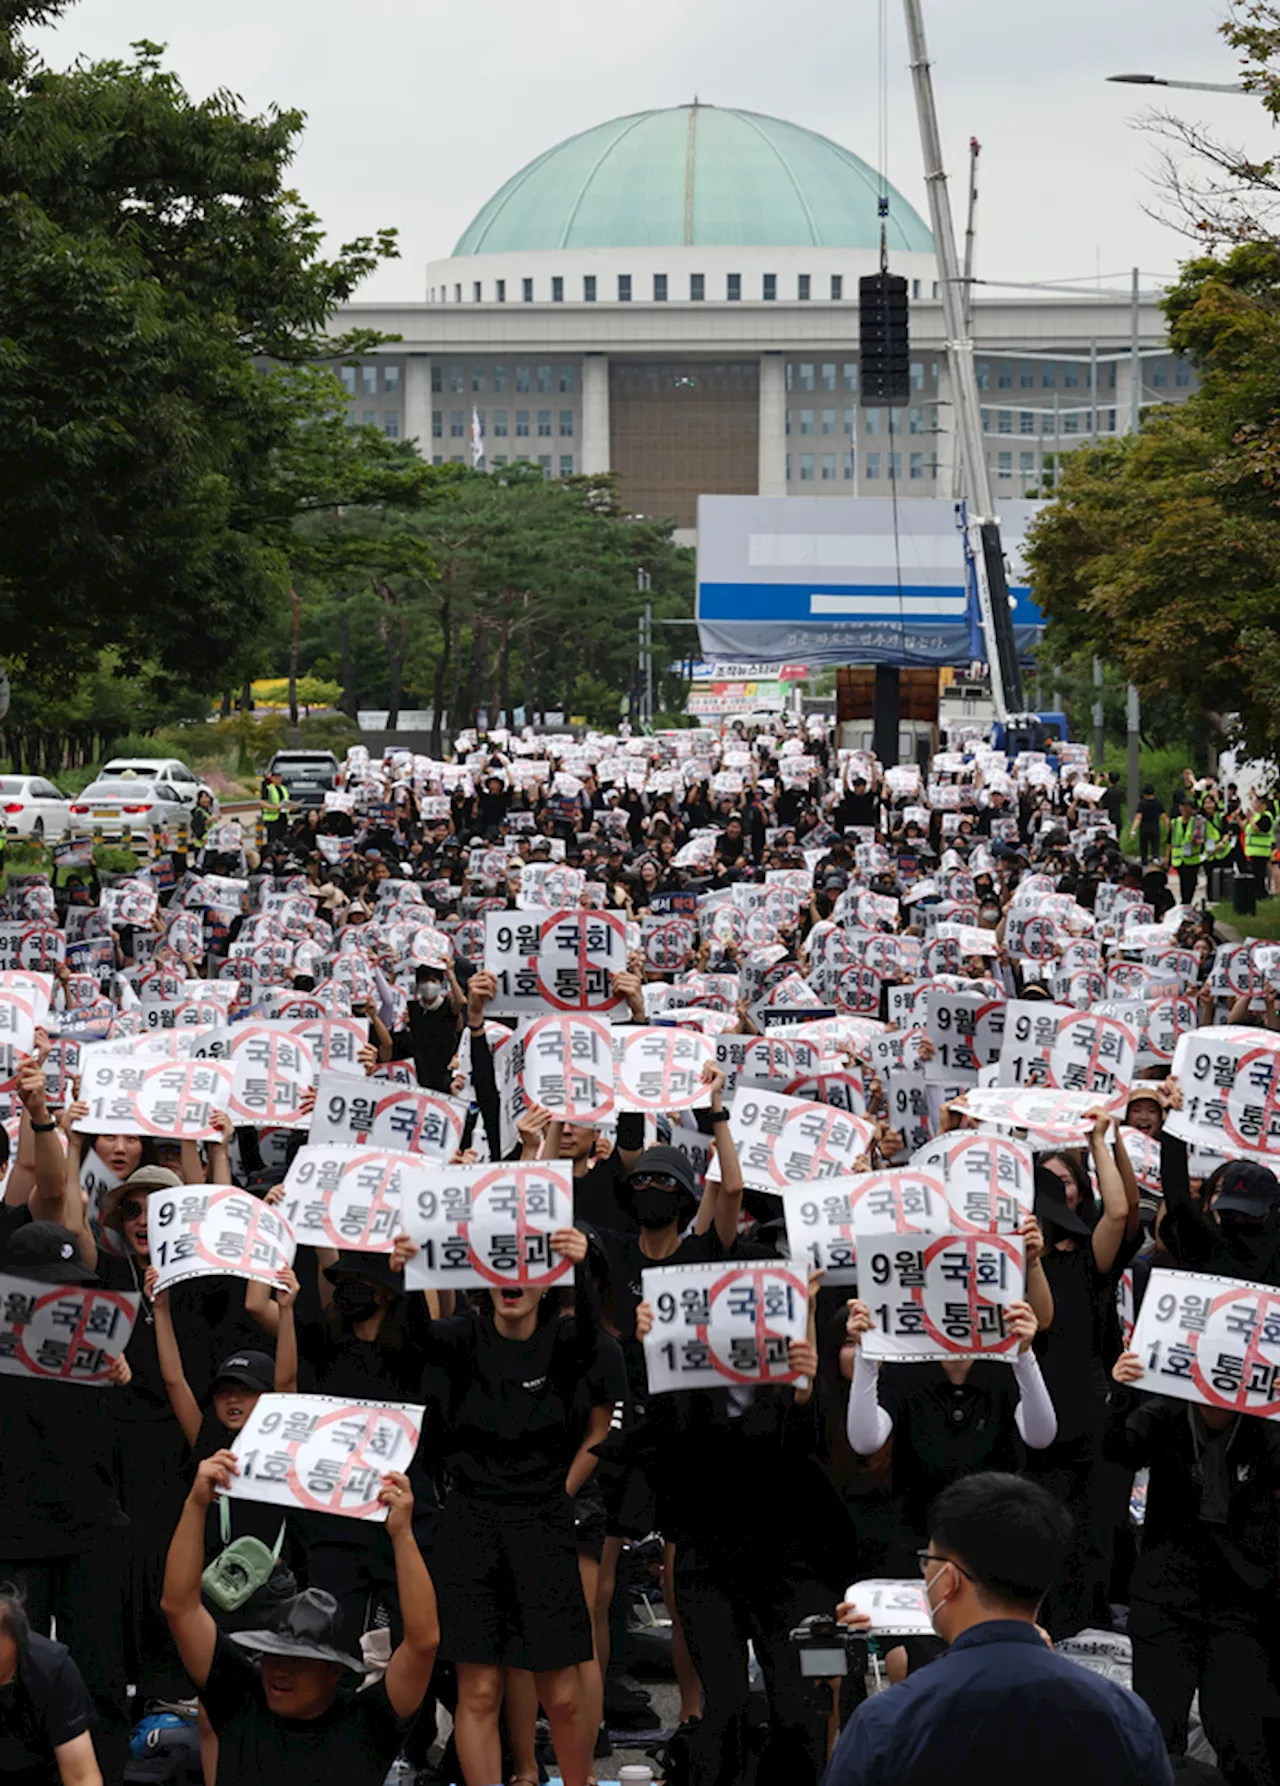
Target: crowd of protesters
x=547, y=1476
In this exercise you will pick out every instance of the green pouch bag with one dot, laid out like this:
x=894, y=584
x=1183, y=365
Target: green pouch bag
x=241, y=1567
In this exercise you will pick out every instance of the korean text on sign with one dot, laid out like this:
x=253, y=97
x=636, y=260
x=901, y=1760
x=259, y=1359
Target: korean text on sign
x=784, y=1141
x=322, y=1454
x=368, y=1112
x=896, y=1608
x=128, y=1094
x=62, y=1333
x=198, y=1231
x=1065, y=1050
x=717, y=1325
x=1230, y=1079
x=489, y=1225
x=351, y=1197
x=940, y=1296
x=1210, y=1340
x=554, y=961
x=987, y=1178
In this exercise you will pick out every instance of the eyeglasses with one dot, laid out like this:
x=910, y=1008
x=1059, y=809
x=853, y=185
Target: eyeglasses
x=925, y=1557
x=656, y=1181
x=131, y=1209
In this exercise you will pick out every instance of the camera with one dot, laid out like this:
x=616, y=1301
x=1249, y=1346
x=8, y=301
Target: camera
x=823, y=1647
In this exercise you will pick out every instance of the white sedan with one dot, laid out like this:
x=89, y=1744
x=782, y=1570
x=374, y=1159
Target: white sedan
x=135, y=798
x=30, y=806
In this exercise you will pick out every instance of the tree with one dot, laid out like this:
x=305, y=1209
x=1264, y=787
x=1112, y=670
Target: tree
x=162, y=293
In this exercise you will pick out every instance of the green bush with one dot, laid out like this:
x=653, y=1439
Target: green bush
x=161, y=744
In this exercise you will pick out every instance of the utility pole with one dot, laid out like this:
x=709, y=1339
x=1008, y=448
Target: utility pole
x=1135, y=362
x=1134, y=722
x=997, y=627
x=1099, y=723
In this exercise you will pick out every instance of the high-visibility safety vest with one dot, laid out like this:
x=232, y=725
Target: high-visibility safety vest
x=275, y=803
x=1183, y=851
x=1217, y=842
x=1257, y=840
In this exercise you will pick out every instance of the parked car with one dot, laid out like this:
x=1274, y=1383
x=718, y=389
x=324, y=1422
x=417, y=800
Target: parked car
x=307, y=776
x=30, y=806
x=134, y=793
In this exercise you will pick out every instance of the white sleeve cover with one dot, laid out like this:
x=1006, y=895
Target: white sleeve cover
x=867, y=1423
x=1034, y=1414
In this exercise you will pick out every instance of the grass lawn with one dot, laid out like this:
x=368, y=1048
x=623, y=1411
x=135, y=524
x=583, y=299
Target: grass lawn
x=1266, y=922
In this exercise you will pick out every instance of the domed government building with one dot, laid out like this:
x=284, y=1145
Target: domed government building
x=673, y=296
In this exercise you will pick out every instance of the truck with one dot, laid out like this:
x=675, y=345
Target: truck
x=307, y=775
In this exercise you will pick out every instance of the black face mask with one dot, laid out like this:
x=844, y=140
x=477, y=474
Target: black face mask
x=1248, y=1241
x=355, y=1300
x=653, y=1208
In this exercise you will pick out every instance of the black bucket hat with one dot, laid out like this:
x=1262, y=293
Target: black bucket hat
x=307, y=1625
x=1051, y=1205
x=47, y=1252
x=663, y=1162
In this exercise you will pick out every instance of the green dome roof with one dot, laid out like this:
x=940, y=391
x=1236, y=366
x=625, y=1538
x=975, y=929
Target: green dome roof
x=693, y=176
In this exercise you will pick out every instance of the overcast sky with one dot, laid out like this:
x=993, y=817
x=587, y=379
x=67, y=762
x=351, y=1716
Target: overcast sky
x=418, y=110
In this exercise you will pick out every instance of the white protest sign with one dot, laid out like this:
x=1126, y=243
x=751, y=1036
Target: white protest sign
x=1051, y=1118
x=194, y=1232
x=272, y=1068
x=129, y=1095
x=988, y=1180
x=62, y=1333
x=942, y=1295
x=966, y=1030
x=1211, y=1340
x=782, y=1141
x=895, y=1608
x=350, y=1197
x=565, y=1064
x=489, y=1225
x=323, y=1454
x=1064, y=1050
x=368, y=1112
x=723, y=1324
x=661, y=1069
x=554, y=960
x=18, y=1021
x=335, y=1042
x=1230, y=1080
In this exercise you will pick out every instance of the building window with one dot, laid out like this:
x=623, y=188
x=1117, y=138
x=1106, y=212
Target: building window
x=456, y=384
x=850, y=375
x=476, y=292
x=457, y=294
x=871, y=421
x=544, y=378
x=437, y=378
x=391, y=378
x=770, y=290
x=500, y=290
x=788, y=421
x=895, y=421
x=1026, y=421
x=526, y=290
x=806, y=468
x=499, y=375
x=500, y=424
x=659, y=288
x=895, y=467
x=1071, y=377
x=1071, y=422
x=522, y=378
x=935, y=288
x=984, y=376
x=566, y=423
x=847, y=459
x=1026, y=377
x=1004, y=378
x=1050, y=424
x=828, y=421
x=697, y=287
x=849, y=423
x=457, y=424
x=437, y=424
x=802, y=287
x=369, y=380
x=391, y=424
x=915, y=420
x=624, y=288
x=564, y=379
x=347, y=376
x=1159, y=376
x=806, y=378
x=837, y=287
x=369, y=417
x=872, y=463
x=588, y=288
x=1004, y=421
x=544, y=423
x=1111, y=421
x=499, y=459
x=477, y=378
x=1048, y=375
x=733, y=287
x=806, y=421
x=522, y=424
x=915, y=288
x=1181, y=373
x=1027, y=463
x=437, y=458
x=827, y=376
x=557, y=289
x=788, y=467
x=917, y=375
x=544, y=464
x=1004, y=466
x=828, y=468
x=566, y=465
x=915, y=465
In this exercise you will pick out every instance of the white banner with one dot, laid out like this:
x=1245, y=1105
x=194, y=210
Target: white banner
x=1064, y=1050
x=783, y=1141
x=1051, y=1118
x=1211, y=1340
x=351, y=1197
x=988, y=1180
x=128, y=1094
x=546, y=960
x=194, y=1232
x=368, y=1112
x=661, y=1069
x=723, y=1324
x=322, y=1454
x=62, y=1333
x=1230, y=1079
x=942, y=1295
x=273, y=1067
x=489, y=1225
x=896, y=1608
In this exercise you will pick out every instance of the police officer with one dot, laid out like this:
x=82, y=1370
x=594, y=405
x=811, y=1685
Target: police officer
x=1186, y=849
x=275, y=807
x=1259, y=841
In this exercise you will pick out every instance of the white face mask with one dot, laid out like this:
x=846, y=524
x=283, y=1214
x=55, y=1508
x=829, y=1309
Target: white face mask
x=934, y=1610
x=430, y=994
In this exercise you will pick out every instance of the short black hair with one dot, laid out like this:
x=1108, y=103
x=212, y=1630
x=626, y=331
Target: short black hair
x=1010, y=1534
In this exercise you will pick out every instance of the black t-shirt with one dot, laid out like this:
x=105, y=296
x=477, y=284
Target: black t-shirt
x=1149, y=812
x=943, y=1430
x=45, y=1706
x=1073, y=1352
x=433, y=1042
x=354, y=1742
x=12, y=1217
x=209, y=1322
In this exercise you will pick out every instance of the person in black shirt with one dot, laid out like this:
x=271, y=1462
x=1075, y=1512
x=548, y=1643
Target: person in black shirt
x=289, y=1721
x=46, y=1713
x=1147, y=823
x=432, y=1040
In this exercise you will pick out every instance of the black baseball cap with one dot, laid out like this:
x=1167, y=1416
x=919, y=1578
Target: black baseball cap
x=47, y=1252
x=256, y=1370
x=1248, y=1188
